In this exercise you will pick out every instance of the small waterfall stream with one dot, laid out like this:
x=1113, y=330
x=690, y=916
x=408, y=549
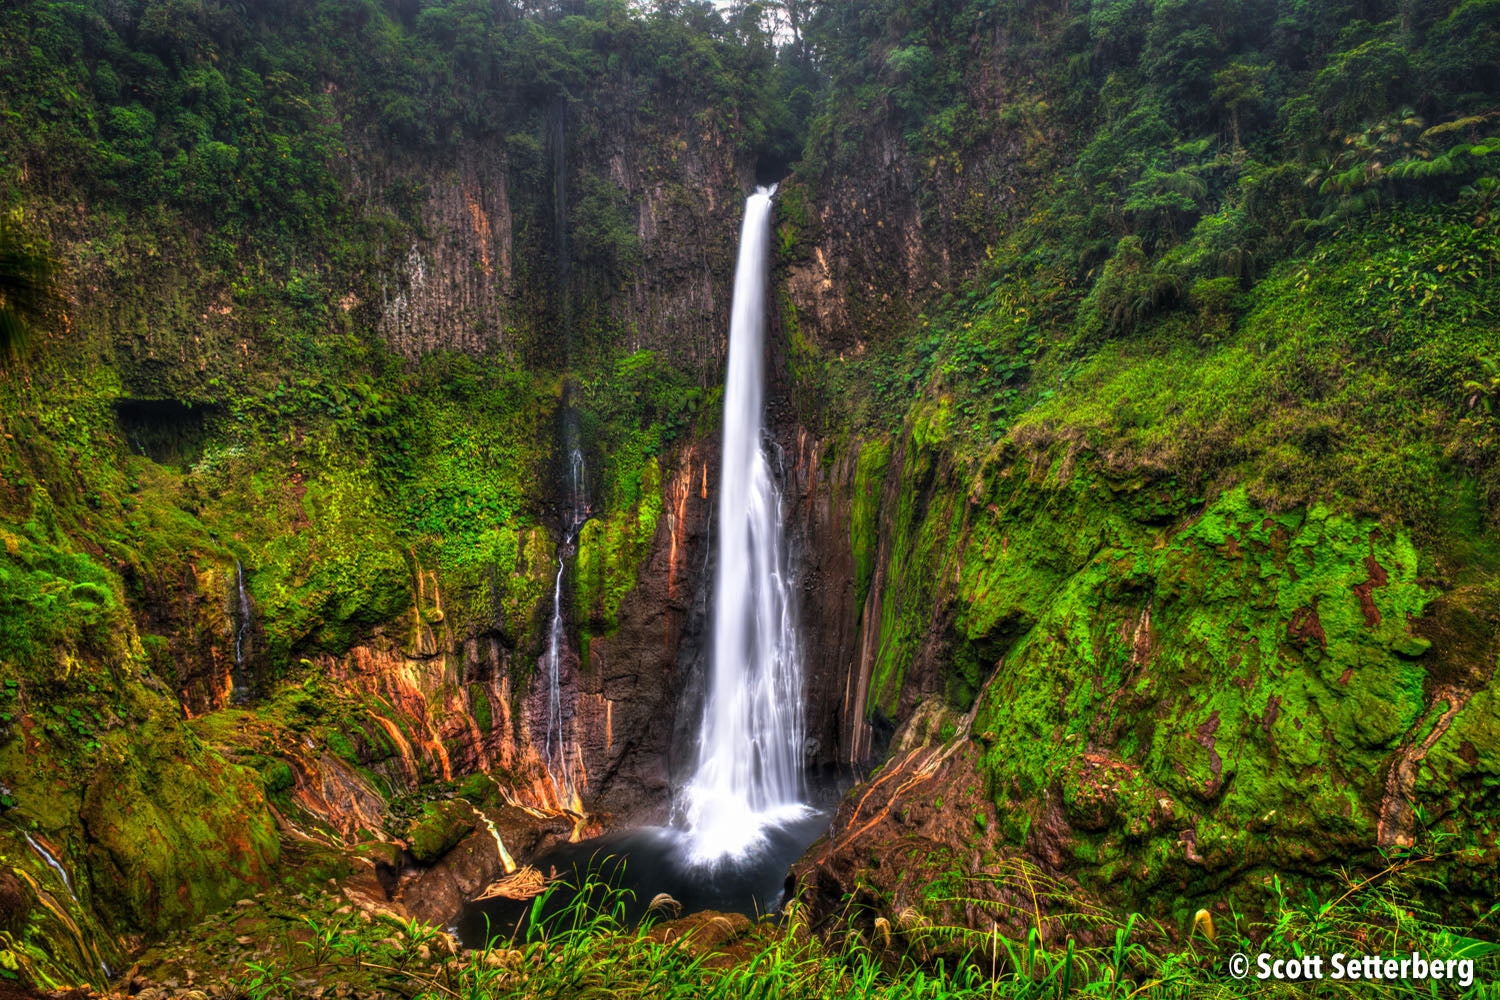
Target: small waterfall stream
x=749, y=770
x=505, y=859
x=555, y=749
x=244, y=621
x=52, y=863
x=555, y=753
x=85, y=946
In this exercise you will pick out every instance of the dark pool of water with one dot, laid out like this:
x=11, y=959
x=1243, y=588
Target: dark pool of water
x=651, y=860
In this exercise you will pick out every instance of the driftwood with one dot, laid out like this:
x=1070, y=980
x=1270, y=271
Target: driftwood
x=524, y=883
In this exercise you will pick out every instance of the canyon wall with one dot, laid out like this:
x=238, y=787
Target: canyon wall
x=284, y=489
x=1148, y=689
x=282, y=524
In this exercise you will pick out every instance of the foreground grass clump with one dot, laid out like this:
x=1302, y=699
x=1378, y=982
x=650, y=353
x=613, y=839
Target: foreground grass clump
x=588, y=950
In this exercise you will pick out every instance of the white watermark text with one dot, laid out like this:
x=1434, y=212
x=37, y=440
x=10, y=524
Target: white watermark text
x=1412, y=966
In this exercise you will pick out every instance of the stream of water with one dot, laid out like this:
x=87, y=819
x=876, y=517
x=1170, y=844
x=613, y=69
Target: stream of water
x=748, y=780
x=244, y=619
x=52, y=863
x=556, y=747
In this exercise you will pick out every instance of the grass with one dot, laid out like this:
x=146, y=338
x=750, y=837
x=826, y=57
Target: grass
x=587, y=949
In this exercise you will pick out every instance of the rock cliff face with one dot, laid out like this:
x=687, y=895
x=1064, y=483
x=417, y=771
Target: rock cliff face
x=639, y=670
x=484, y=265
x=1153, y=698
x=326, y=597
x=821, y=482
x=883, y=228
x=685, y=189
x=455, y=285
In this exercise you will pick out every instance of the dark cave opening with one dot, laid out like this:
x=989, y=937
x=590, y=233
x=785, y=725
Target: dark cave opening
x=167, y=431
x=772, y=168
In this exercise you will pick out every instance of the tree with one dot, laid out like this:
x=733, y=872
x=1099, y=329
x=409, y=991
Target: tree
x=1240, y=90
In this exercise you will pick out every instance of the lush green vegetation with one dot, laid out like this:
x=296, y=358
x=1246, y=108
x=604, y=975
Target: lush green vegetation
x=191, y=277
x=1211, y=263
x=1193, y=178
x=1207, y=263
x=28, y=287
x=586, y=949
x=241, y=121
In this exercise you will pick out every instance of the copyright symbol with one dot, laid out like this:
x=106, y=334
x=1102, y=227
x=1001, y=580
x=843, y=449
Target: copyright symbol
x=1239, y=965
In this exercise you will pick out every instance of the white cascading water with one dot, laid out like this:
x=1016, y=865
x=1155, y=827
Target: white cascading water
x=244, y=619
x=749, y=774
x=556, y=746
x=555, y=757
x=52, y=863
x=244, y=613
x=505, y=859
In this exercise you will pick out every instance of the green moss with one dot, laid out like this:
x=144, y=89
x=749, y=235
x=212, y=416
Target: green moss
x=864, y=511
x=1327, y=389
x=276, y=776
x=479, y=703
x=50, y=596
x=341, y=745
x=922, y=534
x=610, y=551
x=1167, y=661
x=438, y=829
x=179, y=831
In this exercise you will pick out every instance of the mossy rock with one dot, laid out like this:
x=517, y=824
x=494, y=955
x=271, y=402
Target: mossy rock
x=176, y=830
x=383, y=854
x=276, y=776
x=611, y=549
x=440, y=828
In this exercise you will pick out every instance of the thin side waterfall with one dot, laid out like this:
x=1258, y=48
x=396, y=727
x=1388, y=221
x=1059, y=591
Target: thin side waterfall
x=749, y=773
x=575, y=483
x=52, y=863
x=62, y=873
x=244, y=620
x=555, y=756
x=556, y=747
x=489, y=824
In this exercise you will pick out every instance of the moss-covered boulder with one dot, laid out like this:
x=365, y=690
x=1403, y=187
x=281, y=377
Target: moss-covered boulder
x=439, y=828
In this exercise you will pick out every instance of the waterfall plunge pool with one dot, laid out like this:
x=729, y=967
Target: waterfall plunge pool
x=647, y=861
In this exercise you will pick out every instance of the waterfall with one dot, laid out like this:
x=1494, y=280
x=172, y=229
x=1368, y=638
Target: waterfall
x=62, y=873
x=52, y=863
x=749, y=772
x=556, y=756
x=243, y=621
x=575, y=487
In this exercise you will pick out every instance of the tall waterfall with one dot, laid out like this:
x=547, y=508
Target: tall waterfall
x=749, y=773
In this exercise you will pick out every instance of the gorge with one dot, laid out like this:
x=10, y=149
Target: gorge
x=1050, y=539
